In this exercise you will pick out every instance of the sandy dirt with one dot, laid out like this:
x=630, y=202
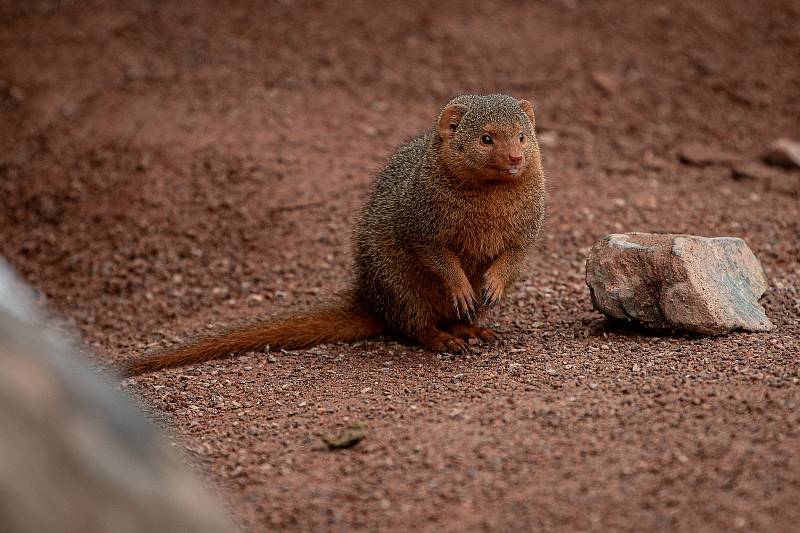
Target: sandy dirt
x=171, y=168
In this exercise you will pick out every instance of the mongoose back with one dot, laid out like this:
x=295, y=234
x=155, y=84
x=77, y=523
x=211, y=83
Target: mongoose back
x=447, y=225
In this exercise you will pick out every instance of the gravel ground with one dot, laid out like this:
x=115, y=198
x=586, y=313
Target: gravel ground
x=171, y=168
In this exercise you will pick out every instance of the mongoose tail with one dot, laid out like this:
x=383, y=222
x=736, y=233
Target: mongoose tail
x=345, y=323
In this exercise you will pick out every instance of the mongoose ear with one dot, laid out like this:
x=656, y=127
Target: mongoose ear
x=449, y=120
x=527, y=108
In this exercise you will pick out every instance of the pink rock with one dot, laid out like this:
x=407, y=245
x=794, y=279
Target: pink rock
x=784, y=153
x=683, y=282
x=608, y=82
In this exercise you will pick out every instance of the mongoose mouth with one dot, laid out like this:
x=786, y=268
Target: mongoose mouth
x=510, y=170
x=504, y=175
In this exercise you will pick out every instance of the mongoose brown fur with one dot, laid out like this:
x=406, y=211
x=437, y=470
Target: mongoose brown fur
x=450, y=217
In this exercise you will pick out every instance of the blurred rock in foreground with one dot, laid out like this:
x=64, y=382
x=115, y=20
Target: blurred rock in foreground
x=697, y=284
x=74, y=455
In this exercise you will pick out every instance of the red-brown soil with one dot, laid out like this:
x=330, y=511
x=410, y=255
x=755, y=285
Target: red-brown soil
x=169, y=167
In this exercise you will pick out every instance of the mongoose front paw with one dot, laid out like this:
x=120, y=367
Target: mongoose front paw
x=464, y=304
x=492, y=289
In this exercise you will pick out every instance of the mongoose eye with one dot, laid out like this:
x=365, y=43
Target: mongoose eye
x=453, y=127
x=486, y=139
x=521, y=137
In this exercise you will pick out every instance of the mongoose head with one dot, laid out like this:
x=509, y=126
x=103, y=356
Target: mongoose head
x=488, y=138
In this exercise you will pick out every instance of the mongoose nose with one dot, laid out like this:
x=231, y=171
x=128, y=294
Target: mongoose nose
x=515, y=158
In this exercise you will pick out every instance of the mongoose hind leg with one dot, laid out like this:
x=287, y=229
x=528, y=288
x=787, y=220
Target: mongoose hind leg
x=472, y=331
x=440, y=341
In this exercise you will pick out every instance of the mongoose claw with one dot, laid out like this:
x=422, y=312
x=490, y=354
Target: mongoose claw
x=465, y=307
x=491, y=292
x=488, y=300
